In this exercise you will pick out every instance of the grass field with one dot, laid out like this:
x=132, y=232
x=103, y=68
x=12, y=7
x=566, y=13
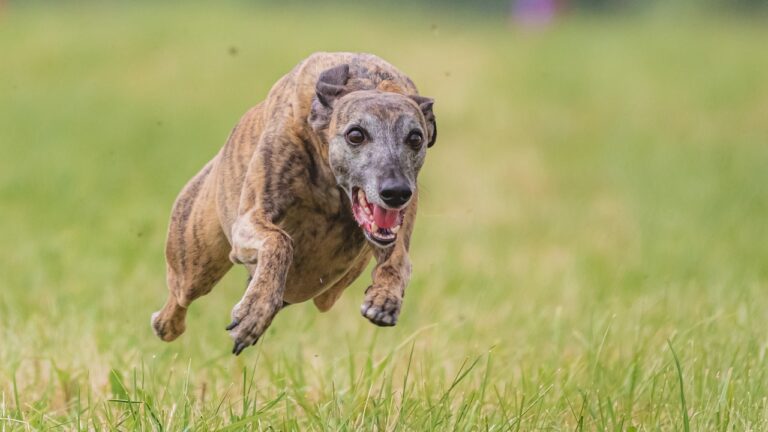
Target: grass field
x=596, y=204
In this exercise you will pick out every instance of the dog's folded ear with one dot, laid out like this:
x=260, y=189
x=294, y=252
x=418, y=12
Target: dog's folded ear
x=426, y=104
x=331, y=85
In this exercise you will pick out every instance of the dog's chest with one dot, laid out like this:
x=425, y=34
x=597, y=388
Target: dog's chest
x=326, y=243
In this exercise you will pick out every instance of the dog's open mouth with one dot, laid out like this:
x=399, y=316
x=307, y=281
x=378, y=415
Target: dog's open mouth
x=379, y=224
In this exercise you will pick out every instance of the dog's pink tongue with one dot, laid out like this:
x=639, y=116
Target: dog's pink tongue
x=384, y=218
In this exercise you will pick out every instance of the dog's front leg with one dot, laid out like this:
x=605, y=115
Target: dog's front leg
x=257, y=241
x=384, y=298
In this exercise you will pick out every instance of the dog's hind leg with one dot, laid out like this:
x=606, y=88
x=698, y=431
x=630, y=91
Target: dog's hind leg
x=196, y=254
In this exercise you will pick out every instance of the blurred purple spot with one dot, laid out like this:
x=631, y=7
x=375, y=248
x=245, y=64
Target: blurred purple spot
x=534, y=12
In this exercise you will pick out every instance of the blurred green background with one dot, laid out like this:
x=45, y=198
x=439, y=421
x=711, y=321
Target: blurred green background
x=598, y=195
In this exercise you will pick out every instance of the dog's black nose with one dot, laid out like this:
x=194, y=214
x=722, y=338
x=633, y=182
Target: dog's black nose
x=395, y=193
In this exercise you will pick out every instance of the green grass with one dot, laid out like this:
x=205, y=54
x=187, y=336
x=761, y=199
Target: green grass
x=598, y=198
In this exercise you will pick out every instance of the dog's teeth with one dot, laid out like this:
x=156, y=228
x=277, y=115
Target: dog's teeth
x=367, y=210
x=374, y=227
x=361, y=198
x=395, y=229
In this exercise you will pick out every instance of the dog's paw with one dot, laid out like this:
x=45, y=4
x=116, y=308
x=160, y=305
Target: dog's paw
x=241, y=255
x=249, y=321
x=381, y=307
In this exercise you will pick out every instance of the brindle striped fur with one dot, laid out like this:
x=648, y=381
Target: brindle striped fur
x=271, y=200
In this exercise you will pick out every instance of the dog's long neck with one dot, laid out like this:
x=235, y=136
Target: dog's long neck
x=316, y=145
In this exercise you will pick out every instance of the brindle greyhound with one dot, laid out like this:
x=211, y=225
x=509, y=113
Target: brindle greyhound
x=312, y=182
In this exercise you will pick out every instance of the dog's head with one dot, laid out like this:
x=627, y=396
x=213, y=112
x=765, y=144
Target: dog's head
x=377, y=144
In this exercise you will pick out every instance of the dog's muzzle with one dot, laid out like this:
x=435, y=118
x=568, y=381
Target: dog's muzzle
x=380, y=224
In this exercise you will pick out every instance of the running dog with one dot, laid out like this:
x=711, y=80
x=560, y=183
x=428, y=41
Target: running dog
x=312, y=183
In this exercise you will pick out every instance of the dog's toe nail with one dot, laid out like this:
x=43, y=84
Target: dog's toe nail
x=239, y=347
x=233, y=324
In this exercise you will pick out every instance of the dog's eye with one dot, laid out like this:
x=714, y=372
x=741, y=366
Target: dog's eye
x=414, y=139
x=355, y=136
